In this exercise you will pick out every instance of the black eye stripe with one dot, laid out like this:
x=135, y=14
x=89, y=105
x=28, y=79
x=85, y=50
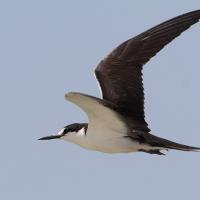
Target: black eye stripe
x=75, y=127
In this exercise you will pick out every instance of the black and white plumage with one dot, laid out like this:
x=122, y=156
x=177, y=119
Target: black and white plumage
x=117, y=122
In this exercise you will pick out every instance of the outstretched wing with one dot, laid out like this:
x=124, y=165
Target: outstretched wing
x=120, y=73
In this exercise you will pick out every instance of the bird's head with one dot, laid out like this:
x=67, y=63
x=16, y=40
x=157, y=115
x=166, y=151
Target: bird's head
x=68, y=131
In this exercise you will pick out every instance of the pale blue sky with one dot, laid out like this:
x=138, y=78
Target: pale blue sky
x=49, y=48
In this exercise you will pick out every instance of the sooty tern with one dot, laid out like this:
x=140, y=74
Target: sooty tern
x=117, y=122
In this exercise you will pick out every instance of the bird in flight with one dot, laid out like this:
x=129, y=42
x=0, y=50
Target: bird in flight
x=117, y=121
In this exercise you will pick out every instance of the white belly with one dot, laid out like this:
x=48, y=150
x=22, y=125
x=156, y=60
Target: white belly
x=113, y=143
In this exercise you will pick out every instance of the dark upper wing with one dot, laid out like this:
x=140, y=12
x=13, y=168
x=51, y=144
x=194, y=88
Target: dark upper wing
x=120, y=73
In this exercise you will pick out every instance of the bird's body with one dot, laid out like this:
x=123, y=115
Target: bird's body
x=116, y=122
x=106, y=131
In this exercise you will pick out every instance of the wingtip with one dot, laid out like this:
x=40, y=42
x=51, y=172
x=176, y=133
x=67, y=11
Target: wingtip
x=69, y=95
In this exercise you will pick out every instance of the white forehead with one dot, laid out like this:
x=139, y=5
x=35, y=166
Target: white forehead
x=61, y=131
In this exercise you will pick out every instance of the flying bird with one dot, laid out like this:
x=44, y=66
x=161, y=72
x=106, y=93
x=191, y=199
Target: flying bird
x=117, y=121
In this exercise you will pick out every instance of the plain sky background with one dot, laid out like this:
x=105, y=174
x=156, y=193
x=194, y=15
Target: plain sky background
x=48, y=48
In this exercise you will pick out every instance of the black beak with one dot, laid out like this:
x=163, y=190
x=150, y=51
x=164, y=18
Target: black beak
x=50, y=137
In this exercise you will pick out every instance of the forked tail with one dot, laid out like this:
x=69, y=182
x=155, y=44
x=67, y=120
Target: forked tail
x=167, y=144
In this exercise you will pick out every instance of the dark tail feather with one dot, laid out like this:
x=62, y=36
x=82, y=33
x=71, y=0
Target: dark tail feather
x=167, y=144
